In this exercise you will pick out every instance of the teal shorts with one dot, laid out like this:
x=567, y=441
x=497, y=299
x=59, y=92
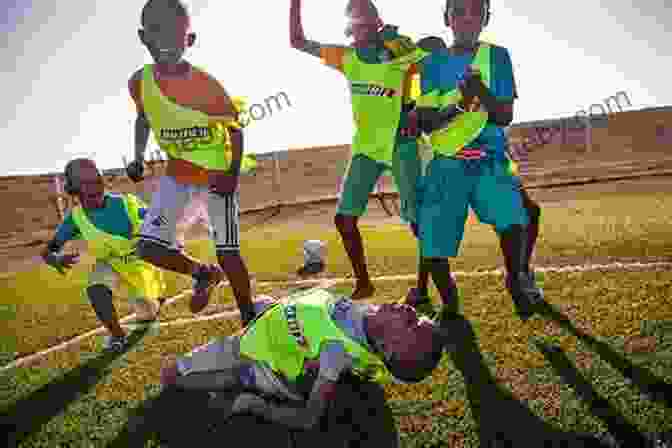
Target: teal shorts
x=450, y=187
x=363, y=173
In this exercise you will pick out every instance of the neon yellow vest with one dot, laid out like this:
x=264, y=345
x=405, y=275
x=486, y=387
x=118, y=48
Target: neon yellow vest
x=119, y=252
x=467, y=126
x=294, y=330
x=189, y=134
x=377, y=95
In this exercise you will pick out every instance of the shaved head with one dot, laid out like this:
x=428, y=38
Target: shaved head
x=360, y=7
x=81, y=168
x=84, y=177
x=156, y=11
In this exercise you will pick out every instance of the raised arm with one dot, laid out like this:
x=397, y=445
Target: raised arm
x=297, y=38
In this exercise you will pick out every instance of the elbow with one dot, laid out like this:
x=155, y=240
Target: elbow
x=297, y=41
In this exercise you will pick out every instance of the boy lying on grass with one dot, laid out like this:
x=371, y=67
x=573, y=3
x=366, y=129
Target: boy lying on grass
x=108, y=222
x=297, y=348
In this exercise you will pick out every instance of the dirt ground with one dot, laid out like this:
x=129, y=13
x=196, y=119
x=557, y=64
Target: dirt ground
x=321, y=214
x=628, y=145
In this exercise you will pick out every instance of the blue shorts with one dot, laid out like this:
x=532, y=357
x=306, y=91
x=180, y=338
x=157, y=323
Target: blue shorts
x=447, y=190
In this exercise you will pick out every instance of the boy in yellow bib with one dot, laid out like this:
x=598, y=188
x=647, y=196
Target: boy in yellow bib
x=380, y=68
x=297, y=348
x=108, y=223
x=197, y=124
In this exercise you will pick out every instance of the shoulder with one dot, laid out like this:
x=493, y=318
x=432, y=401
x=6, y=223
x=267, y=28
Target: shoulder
x=134, y=83
x=135, y=78
x=208, y=82
x=201, y=74
x=499, y=53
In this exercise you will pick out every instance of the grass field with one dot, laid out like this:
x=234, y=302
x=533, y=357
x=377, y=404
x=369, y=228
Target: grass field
x=598, y=361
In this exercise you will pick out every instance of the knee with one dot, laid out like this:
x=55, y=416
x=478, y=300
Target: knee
x=169, y=372
x=345, y=224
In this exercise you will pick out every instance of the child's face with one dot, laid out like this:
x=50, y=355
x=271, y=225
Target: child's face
x=402, y=330
x=363, y=24
x=466, y=20
x=166, y=37
x=91, y=186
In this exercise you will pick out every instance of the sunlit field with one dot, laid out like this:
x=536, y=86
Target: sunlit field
x=596, y=362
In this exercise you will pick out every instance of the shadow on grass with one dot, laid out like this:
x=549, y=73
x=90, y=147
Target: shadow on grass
x=359, y=417
x=653, y=387
x=29, y=414
x=619, y=427
x=502, y=420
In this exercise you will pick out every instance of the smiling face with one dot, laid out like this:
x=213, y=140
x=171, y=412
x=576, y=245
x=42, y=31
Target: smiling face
x=166, y=35
x=465, y=18
x=363, y=22
x=91, y=185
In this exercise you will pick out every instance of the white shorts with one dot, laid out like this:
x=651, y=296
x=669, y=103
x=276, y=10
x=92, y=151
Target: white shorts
x=169, y=203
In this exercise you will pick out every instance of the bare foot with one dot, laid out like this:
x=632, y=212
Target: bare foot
x=363, y=291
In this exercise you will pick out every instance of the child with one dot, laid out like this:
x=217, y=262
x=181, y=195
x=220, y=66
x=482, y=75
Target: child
x=379, y=67
x=196, y=123
x=297, y=348
x=467, y=99
x=108, y=223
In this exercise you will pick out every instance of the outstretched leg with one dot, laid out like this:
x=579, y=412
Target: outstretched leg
x=157, y=239
x=498, y=201
x=362, y=175
x=519, y=280
x=102, y=282
x=224, y=213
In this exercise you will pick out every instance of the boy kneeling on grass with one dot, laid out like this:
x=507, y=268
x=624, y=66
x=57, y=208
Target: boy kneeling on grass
x=297, y=348
x=108, y=222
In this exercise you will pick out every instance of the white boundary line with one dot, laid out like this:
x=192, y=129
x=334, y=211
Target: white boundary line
x=326, y=283
x=27, y=360
x=575, y=268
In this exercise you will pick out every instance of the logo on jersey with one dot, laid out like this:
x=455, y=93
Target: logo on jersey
x=362, y=88
x=293, y=325
x=184, y=134
x=186, y=139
